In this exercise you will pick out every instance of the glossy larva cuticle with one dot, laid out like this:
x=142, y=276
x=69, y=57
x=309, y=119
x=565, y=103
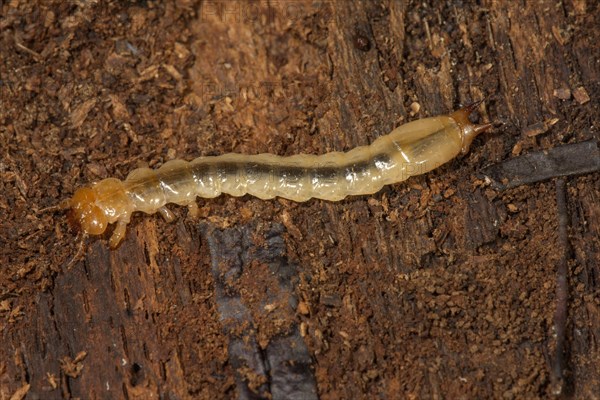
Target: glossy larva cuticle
x=411, y=149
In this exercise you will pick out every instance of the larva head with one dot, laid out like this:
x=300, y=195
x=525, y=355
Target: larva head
x=469, y=130
x=93, y=208
x=85, y=213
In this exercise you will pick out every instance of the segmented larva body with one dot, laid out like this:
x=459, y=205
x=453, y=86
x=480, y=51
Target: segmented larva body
x=411, y=149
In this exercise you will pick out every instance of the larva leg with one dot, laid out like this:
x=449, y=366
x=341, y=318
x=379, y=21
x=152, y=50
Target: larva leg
x=166, y=214
x=118, y=233
x=193, y=210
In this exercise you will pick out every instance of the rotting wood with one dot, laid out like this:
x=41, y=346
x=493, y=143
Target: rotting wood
x=279, y=367
x=559, y=384
x=400, y=297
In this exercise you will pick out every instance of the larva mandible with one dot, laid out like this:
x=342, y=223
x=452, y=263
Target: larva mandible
x=411, y=149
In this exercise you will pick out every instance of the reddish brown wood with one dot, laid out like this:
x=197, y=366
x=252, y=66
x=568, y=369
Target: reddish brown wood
x=440, y=287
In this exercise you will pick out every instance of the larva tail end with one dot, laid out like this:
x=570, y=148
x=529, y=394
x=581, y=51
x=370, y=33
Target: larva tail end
x=469, y=130
x=468, y=109
x=477, y=129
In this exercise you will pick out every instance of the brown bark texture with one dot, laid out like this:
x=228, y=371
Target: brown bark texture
x=441, y=287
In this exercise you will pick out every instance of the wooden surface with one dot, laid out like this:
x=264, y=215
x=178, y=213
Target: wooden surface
x=442, y=287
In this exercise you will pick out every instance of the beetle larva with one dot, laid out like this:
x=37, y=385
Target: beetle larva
x=411, y=149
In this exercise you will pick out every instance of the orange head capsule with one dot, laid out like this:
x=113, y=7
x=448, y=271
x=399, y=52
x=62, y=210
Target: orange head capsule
x=86, y=213
x=93, y=208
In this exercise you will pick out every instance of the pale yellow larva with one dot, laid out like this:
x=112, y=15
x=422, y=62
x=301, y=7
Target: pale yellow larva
x=411, y=149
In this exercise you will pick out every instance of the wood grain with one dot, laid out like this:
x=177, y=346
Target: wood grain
x=439, y=288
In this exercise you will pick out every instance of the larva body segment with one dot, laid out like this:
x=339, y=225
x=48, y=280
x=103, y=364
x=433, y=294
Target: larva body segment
x=411, y=149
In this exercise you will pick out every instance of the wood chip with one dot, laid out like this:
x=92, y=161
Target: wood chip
x=581, y=95
x=119, y=109
x=414, y=108
x=81, y=112
x=171, y=70
x=540, y=127
x=303, y=308
x=517, y=148
x=449, y=193
x=181, y=51
x=149, y=73
x=290, y=226
x=535, y=129
x=561, y=36
x=21, y=392
x=51, y=378
x=73, y=367
x=562, y=93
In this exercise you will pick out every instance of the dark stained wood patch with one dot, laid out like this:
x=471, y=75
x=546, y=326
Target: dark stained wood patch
x=282, y=367
x=568, y=160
